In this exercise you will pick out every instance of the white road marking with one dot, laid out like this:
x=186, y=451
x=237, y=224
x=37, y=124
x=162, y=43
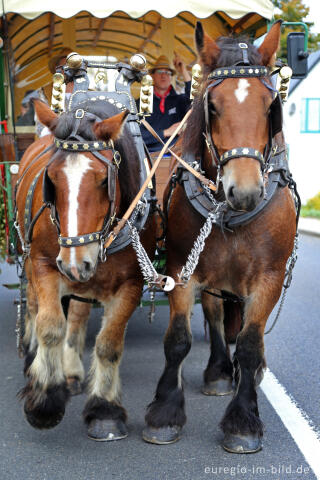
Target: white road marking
x=75, y=167
x=241, y=92
x=294, y=419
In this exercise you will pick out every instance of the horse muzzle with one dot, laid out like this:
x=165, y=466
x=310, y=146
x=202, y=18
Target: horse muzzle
x=243, y=184
x=244, y=199
x=76, y=269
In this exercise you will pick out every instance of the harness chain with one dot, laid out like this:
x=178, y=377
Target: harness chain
x=22, y=300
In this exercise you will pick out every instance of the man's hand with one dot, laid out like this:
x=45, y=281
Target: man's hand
x=181, y=67
x=169, y=131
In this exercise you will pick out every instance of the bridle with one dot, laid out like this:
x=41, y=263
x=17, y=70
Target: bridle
x=76, y=143
x=275, y=122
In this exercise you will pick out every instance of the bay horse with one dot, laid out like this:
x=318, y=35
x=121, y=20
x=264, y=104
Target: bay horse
x=232, y=136
x=90, y=175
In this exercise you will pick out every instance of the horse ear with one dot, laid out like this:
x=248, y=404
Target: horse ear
x=270, y=44
x=44, y=114
x=207, y=48
x=111, y=128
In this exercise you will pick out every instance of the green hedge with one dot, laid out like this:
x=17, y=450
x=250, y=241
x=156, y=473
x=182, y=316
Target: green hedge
x=312, y=207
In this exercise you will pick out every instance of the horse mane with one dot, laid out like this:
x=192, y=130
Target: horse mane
x=230, y=54
x=129, y=178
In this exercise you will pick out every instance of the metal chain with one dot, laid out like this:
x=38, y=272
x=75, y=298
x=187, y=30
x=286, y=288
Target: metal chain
x=287, y=280
x=21, y=303
x=199, y=244
x=148, y=271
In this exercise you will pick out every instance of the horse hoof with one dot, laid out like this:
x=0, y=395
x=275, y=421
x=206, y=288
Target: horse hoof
x=38, y=417
x=161, y=436
x=74, y=386
x=107, y=430
x=250, y=443
x=218, y=387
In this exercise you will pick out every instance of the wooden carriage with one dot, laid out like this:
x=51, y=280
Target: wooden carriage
x=32, y=35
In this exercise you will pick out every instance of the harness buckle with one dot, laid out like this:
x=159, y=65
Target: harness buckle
x=79, y=113
x=117, y=158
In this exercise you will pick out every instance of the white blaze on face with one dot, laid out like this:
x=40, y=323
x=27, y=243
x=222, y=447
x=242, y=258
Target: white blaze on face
x=75, y=167
x=242, y=90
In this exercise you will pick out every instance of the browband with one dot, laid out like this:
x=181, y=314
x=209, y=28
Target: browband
x=87, y=146
x=239, y=71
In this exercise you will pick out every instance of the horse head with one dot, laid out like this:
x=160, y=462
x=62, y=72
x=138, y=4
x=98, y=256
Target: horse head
x=237, y=99
x=81, y=183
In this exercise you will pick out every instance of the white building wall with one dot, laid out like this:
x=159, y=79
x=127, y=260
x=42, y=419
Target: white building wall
x=304, y=148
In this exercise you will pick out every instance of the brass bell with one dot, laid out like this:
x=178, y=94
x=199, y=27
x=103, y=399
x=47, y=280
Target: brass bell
x=74, y=60
x=196, y=80
x=58, y=79
x=285, y=72
x=138, y=61
x=196, y=70
x=283, y=82
x=147, y=80
x=57, y=95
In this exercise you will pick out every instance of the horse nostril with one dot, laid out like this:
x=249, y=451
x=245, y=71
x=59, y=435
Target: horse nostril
x=87, y=266
x=59, y=263
x=231, y=192
x=261, y=192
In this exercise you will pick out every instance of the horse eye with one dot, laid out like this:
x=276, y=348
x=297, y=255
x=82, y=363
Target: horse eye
x=212, y=109
x=104, y=181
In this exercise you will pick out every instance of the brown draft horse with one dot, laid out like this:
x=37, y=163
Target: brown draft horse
x=249, y=261
x=79, y=184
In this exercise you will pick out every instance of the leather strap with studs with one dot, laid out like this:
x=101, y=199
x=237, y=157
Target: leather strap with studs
x=80, y=240
x=239, y=72
x=81, y=146
x=241, y=152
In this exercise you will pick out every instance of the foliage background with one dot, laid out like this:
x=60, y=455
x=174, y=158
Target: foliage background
x=294, y=11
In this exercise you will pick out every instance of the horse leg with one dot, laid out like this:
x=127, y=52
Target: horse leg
x=46, y=393
x=30, y=338
x=103, y=412
x=241, y=423
x=219, y=371
x=166, y=414
x=78, y=314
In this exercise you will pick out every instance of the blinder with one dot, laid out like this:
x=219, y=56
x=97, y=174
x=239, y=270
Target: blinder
x=276, y=116
x=48, y=192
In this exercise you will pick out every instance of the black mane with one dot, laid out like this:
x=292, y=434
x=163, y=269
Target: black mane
x=130, y=166
x=230, y=54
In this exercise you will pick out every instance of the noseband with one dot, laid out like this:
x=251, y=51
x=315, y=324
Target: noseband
x=75, y=143
x=243, y=71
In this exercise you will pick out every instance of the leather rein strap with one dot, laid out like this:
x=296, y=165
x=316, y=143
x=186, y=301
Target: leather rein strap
x=186, y=165
x=112, y=236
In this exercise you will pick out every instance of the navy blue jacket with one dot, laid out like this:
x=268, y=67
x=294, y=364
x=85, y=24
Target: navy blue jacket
x=175, y=108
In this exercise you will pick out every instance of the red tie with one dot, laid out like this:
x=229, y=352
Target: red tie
x=162, y=98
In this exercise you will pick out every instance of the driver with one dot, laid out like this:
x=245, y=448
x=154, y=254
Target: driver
x=169, y=108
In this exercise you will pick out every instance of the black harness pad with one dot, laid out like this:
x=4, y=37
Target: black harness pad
x=48, y=192
x=276, y=116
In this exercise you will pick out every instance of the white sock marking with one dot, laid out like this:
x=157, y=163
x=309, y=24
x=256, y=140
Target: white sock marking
x=242, y=90
x=75, y=167
x=294, y=419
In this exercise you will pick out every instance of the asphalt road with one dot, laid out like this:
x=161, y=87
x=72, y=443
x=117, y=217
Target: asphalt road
x=292, y=352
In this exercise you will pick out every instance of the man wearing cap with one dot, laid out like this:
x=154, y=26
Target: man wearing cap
x=169, y=108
